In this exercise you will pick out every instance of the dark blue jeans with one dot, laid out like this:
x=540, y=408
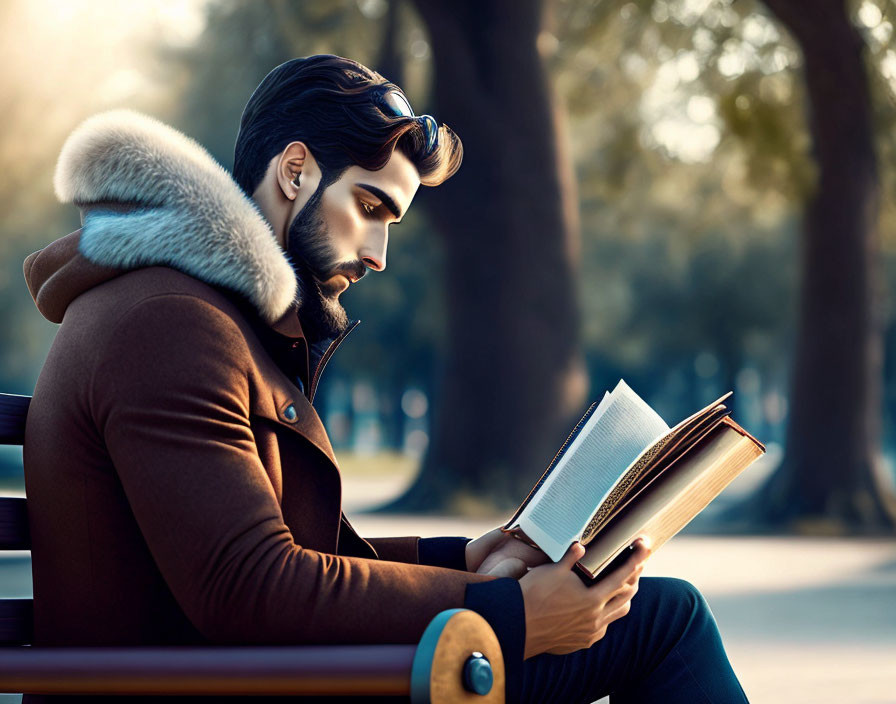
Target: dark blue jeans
x=667, y=650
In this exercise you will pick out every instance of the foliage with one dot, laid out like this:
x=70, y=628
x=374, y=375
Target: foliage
x=687, y=122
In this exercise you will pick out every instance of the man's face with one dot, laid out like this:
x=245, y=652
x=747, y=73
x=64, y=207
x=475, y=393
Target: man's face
x=341, y=232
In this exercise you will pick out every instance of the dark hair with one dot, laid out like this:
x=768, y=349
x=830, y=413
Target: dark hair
x=328, y=102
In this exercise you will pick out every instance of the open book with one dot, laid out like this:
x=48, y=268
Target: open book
x=622, y=472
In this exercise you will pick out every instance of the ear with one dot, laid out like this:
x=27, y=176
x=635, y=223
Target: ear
x=297, y=170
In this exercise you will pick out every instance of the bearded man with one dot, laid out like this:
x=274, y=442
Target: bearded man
x=181, y=486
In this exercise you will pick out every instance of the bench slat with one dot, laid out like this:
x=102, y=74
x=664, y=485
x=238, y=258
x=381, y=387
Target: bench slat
x=16, y=621
x=260, y=670
x=13, y=410
x=14, y=534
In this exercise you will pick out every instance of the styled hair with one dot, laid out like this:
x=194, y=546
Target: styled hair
x=328, y=103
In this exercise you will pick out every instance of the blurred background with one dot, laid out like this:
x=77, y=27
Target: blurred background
x=693, y=195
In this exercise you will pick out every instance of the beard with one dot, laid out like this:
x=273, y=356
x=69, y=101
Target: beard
x=314, y=260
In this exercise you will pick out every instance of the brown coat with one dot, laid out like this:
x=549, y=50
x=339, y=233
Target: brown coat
x=181, y=486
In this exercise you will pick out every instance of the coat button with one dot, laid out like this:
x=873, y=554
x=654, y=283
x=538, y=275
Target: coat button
x=289, y=413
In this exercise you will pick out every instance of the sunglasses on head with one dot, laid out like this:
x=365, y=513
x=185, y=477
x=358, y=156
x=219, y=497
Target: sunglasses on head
x=392, y=102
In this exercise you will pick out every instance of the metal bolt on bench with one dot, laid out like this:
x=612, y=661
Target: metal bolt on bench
x=458, y=658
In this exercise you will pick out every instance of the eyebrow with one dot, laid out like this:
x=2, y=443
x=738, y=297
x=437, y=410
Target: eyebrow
x=383, y=196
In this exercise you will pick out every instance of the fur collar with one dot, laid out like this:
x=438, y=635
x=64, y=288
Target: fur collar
x=190, y=214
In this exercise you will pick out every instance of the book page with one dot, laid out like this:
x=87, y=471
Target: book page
x=604, y=402
x=613, y=438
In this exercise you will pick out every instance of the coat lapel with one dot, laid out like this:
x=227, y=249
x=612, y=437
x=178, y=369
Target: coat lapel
x=282, y=403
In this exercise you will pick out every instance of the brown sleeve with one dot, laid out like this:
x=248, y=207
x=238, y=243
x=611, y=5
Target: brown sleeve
x=171, y=396
x=396, y=549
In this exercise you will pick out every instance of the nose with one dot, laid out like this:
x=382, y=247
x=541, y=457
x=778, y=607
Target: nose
x=373, y=253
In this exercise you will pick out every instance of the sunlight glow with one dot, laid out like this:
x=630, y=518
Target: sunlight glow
x=869, y=14
x=171, y=21
x=758, y=30
x=686, y=125
x=888, y=68
x=101, y=38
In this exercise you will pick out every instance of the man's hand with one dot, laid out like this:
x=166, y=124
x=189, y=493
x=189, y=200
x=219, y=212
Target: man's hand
x=563, y=615
x=500, y=554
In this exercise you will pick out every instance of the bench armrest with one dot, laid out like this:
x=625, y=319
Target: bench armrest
x=443, y=667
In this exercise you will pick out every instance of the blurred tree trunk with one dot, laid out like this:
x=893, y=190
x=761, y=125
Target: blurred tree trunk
x=390, y=62
x=831, y=476
x=513, y=376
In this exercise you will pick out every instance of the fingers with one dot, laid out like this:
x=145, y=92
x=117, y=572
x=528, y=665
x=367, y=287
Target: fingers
x=508, y=567
x=478, y=549
x=575, y=553
x=643, y=548
x=622, y=573
x=490, y=562
x=621, y=596
x=619, y=611
x=531, y=556
x=502, y=566
x=517, y=548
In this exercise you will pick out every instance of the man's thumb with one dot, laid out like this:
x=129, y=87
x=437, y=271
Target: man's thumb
x=572, y=556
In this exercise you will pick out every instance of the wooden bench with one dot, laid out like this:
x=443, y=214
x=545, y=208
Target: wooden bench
x=458, y=658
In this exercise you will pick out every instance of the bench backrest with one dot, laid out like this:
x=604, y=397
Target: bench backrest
x=16, y=615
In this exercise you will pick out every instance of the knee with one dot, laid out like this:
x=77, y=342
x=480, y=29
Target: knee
x=677, y=609
x=682, y=595
x=681, y=589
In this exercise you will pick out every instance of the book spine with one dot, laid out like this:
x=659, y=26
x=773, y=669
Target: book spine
x=734, y=424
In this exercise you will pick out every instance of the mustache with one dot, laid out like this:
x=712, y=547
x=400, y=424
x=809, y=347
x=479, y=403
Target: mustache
x=353, y=271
